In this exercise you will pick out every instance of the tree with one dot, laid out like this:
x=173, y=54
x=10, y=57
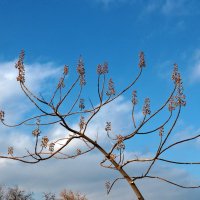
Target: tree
x=69, y=195
x=14, y=193
x=53, y=111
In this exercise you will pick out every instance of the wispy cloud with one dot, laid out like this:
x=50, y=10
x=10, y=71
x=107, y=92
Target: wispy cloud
x=87, y=177
x=195, y=72
x=108, y=3
x=169, y=7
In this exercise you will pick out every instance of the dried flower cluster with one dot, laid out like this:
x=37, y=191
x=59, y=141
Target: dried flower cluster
x=66, y=70
x=69, y=195
x=108, y=127
x=142, y=60
x=2, y=115
x=44, y=141
x=51, y=146
x=172, y=104
x=161, y=131
x=134, y=97
x=176, y=77
x=111, y=89
x=81, y=104
x=78, y=151
x=36, y=132
x=10, y=150
x=81, y=71
x=82, y=123
x=120, y=142
x=146, y=108
x=61, y=83
x=20, y=66
x=102, y=69
x=107, y=185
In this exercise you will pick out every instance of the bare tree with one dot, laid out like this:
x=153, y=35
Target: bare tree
x=55, y=110
x=49, y=196
x=69, y=195
x=14, y=193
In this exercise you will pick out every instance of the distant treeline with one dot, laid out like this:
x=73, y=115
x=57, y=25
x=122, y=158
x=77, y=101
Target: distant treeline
x=16, y=193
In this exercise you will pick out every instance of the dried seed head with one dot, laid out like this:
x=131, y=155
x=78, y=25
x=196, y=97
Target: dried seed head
x=81, y=71
x=10, y=150
x=107, y=185
x=172, y=104
x=180, y=97
x=51, y=147
x=161, y=131
x=120, y=142
x=111, y=89
x=146, y=108
x=78, y=151
x=82, y=123
x=66, y=70
x=102, y=69
x=176, y=77
x=61, y=83
x=105, y=68
x=108, y=127
x=36, y=132
x=99, y=69
x=20, y=66
x=44, y=141
x=81, y=104
x=134, y=97
x=2, y=114
x=142, y=60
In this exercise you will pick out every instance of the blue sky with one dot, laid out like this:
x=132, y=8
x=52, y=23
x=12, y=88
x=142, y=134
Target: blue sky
x=54, y=33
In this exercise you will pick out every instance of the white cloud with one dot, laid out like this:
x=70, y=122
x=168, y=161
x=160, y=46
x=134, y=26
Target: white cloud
x=36, y=73
x=173, y=7
x=89, y=178
x=107, y=3
x=169, y=7
x=195, y=72
x=12, y=97
x=84, y=173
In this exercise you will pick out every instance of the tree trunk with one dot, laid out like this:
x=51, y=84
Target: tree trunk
x=132, y=184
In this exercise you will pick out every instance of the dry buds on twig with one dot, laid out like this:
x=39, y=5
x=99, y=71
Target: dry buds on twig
x=66, y=70
x=36, y=132
x=161, y=131
x=81, y=104
x=78, y=151
x=146, y=108
x=134, y=97
x=120, y=143
x=102, y=69
x=45, y=141
x=81, y=71
x=107, y=185
x=20, y=66
x=172, y=104
x=108, y=127
x=142, y=60
x=10, y=150
x=111, y=89
x=82, y=123
x=176, y=77
x=2, y=115
x=51, y=147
